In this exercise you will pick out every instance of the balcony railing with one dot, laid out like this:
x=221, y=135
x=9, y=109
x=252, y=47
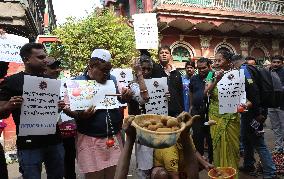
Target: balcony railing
x=272, y=7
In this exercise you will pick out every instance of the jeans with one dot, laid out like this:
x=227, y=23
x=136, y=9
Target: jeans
x=3, y=165
x=69, y=158
x=251, y=141
x=276, y=116
x=30, y=162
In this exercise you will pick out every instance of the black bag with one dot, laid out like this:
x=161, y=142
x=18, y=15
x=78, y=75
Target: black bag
x=271, y=92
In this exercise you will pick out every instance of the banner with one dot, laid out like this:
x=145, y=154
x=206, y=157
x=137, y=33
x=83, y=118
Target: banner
x=39, y=112
x=146, y=31
x=157, y=89
x=10, y=46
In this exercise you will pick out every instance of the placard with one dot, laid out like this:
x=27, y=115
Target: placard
x=10, y=46
x=86, y=93
x=39, y=112
x=123, y=77
x=157, y=89
x=146, y=31
x=231, y=91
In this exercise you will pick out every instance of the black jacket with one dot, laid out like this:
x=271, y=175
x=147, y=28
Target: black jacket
x=253, y=92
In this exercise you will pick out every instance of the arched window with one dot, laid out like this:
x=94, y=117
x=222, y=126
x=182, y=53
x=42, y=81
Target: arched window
x=224, y=46
x=259, y=55
x=182, y=51
x=259, y=52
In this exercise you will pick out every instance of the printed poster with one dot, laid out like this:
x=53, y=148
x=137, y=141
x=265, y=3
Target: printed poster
x=231, y=91
x=157, y=89
x=146, y=31
x=123, y=77
x=39, y=112
x=86, y=93
x=10, y=46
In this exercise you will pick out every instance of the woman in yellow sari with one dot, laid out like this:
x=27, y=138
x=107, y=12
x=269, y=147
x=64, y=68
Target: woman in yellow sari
x=225, y=134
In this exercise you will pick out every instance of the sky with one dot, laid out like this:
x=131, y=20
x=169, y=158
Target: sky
x=75, y=8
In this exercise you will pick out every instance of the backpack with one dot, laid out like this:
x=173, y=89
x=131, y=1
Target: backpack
x=269, y=84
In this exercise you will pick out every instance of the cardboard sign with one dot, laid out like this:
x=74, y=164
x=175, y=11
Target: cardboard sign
x=157, y=89
x=39, y=112
x=146, y=31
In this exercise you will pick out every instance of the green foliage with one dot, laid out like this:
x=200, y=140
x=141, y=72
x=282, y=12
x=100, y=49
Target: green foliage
x=101, y=29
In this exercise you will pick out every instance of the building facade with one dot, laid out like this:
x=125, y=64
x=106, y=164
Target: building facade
x=27, y=18
x=199, y=28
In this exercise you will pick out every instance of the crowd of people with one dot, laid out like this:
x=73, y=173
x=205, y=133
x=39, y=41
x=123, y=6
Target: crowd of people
x=223, y=136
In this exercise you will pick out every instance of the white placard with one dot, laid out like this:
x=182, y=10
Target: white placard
x=84, y=94
x=231, y=91
x=39, y=112
x=146, y=31
x=10, y=46
x=123, y=77
x=157, y=89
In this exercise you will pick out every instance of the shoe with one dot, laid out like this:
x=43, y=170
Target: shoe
x=249, y=170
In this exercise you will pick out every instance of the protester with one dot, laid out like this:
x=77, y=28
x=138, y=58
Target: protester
x=253, y=139
x=3, y=164
x=32, y=150
x=165, y=68
x=225, y=133
x=95, y=158
x=250, y=60
x=190, y=158
x=189, y=72
x=276, y=115
x=143, y=70
x=53, y=70
x=199, y=106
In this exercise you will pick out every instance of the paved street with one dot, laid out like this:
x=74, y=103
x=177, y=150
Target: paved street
x=14, y=174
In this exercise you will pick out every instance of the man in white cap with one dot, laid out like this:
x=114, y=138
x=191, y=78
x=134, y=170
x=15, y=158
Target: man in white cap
x=95, y=158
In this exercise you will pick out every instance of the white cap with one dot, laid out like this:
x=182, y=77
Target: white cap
x=101, y=54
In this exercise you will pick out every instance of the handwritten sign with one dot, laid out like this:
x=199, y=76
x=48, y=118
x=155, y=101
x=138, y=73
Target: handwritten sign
x=84, y=94
x=231, y=91
x=39, y=112
x=146, y=31
x=10, y=46
x=158, y=103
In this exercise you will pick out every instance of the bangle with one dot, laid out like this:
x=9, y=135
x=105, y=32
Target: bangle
x=144, y=91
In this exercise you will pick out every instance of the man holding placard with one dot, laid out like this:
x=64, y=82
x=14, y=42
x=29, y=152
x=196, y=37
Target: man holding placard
x=99, y=124
x=38, y=141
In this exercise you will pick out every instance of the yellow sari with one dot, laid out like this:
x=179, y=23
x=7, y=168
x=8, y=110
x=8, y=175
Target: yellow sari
x=225, y=135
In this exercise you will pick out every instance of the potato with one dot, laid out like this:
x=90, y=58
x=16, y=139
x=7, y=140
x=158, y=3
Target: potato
x=164, y=120
x=172, y=122
x=160, y=125
x=175, y=128
x=145, y=124
x=153, y=121
x=152, y=127
x=164, y=130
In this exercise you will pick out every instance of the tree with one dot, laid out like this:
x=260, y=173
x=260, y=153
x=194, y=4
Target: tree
x=101, y=29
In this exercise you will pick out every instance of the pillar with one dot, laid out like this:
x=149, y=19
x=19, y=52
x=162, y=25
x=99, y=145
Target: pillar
x=244, y=44
x=275, y=47
x=205, y=45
